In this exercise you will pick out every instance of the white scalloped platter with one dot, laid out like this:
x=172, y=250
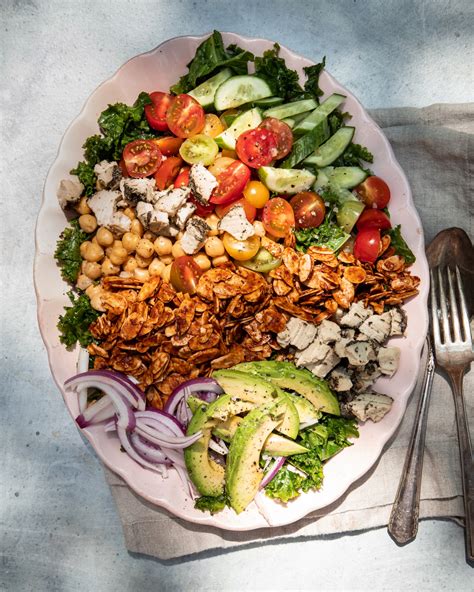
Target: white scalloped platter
x=158, y=70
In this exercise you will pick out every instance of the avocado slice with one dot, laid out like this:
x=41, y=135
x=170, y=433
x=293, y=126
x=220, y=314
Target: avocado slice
x=275, y=445
x=303, y=382
x=252, y=388
x=243, y=473
x=307, y=412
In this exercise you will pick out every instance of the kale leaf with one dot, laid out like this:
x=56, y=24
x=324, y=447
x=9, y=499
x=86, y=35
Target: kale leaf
x=206, y=503
x=328, y=234
x=74, y=324
x=86, y=175
x=283, y=81
x=67, y=252
x=336, y=120
x=285, y=485
x=312, y=79
x=400, y=245
x=210, y=56
x=355, y=155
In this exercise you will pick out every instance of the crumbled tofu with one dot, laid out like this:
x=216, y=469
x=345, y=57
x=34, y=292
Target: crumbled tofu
x=69, y=192
x=340, y=346
x=195, y=235
x=322, y=368
x=377, y=327
x=339, y=380
x=135, y=190
x=120, y=223
x=315, y=352
x=104, y=205
x=359, y=353
x=365, y=377
x=235, y=223
x=369, y=406
x=328, y=332
x=398, y=321
x=202, y=183
x=183, y=215
x=171, y=200
x=152, y=219
x=356, y=315
x=297, y=333
x=388, y=359
x=108, y=174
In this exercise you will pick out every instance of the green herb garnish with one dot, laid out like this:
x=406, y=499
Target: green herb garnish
x=67, y=252
x=74, y=324
x=400, y=245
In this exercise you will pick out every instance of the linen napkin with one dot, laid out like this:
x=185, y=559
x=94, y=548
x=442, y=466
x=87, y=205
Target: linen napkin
x=434, y=147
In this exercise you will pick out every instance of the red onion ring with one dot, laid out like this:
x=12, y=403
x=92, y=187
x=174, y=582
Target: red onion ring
x=272, y=471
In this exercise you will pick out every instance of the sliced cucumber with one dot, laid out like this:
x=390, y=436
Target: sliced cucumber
x=290, y=109
x=286, y=180
x=347, y=177
x=199, y=149
x=349, y=213
x=322, y=177
x=238, y=90
x=205, y=92
x=269, y=102
x=245, y=121
x=292, y=121
x=305, y=145
x=332, y=149
x=320, y=113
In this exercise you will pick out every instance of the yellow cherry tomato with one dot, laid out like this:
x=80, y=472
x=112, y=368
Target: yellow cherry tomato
x=242, y=250
x=212, y=125
x=220, y=165
x=256, y=194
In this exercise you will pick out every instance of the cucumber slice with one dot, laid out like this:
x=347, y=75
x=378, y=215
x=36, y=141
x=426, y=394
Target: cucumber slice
x=245, y=121
x=290, y=109
x=286, y=180
x=269, y=102
x=347, y=177
x=199, y=149
x=205, y=92
x=332, y=149
x=320, y=113
x=349, y=213
x=322, y=177
x=238, y=90
x=305, y=145
x=292, y=121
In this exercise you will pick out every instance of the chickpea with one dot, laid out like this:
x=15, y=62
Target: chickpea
x=220, y=260
x=156, y=267
x=165, y=274
x=108, y=268
x=91, y=269
x=83, y=282
x=203, y=261
x=143, y=262
x=96, y=303
x=87, y=222
x=141, y=274
x=93, y=290
x=130, y=213
x=167, y=259
x=130, y=264
x=163, y=245
x=259, y=228
x=213, y=222
x=83, y=248
x=145, y=248
x=214, y=247
x=130, y=241
x=94, y=252
x=136, y=227
x=148, y=235
x=177, y=250
x=104, y=237
x=118, y=255
x=83, y=207
x=94, y=240
x=125, y=274
x=117, y=243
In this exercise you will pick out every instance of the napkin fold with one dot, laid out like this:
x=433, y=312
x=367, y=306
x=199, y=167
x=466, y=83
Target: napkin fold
x=434, y=146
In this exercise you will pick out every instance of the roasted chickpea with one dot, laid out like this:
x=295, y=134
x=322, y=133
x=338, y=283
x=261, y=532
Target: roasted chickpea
x=96, y=303
x=165, y=274
x=143, y=262
x=141, y=274
x=213, y=222
x=259, y=228
x=125, y=274
x=130, y=264
x=83, y=282
x=91, y=269
x=83, y=207
x=94, y=252
x=108, y=268
x=87, y=222
x=214, y=247
x=163, y=245
x=167, y=259
x=94, y=240
x=136, y=227
x=203, y=261
x=156, y=267
x=130, y=241
x=83, y=248
x=130, y=213
x=118, y=255
x=177, y=250
x=145, y=248
x=220, y=260
x=148, y=235
x=93, y=290
x=104, y=237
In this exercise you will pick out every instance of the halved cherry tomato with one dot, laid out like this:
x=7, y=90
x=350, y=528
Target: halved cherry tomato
x=142, y=158
x=250, y=211
x=367, y=245
x=155, y=112
x=256, y=194
x=123, y=168
x=169, y=145
x=231, y=183
x=278, y=217
x=185, y=274
x=257, y=147
x=220, y=165
x=182, y=180
x=283, y=133
x=371, y=218
x=374, y=192
x=309, y=209
x=242, y=250
x=185, y=116
x=213, y=126
x=168, y=171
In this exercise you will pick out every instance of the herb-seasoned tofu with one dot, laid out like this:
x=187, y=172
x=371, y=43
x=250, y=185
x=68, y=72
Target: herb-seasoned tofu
x=69, y=192
x=195, y=235
x=202, y=183
x=108, y=174
x=235, y=223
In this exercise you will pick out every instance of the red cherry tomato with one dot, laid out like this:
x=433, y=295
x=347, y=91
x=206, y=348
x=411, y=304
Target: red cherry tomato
x=283, y=133
x=309, y=209
x=371, y=218
x=168, y=171
x=278, y=217
x=155, y=112
x=123, y=168
x=257, y=147
x=185, y=274
x=250, y=210
x=367, y=245
x=182, y=180
x=142, y=158
x=185, y=116
x=231, y=183
x=374, y=192
x=168, y=145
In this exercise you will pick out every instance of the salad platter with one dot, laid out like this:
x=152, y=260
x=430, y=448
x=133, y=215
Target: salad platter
x=231, y=281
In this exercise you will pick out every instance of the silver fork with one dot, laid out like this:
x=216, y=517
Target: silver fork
x=453, y=348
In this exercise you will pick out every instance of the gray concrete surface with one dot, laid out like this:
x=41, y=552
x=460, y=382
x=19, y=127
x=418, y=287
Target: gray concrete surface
x=58, y=527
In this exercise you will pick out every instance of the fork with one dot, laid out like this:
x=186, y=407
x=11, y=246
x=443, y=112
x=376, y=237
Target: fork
x=453, y=348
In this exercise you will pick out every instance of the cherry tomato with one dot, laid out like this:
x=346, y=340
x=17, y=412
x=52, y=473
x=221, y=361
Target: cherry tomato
x=123, y=168
x=185, y=116
x=374, y=192
x=242, y=250
x=182, y=180
x=249, y=209
x=168, y=145
x=309, y=209
x=185, y=274
x=168, y=171
x=142, y=158
x=373, y=219
x=155, y=112
x=283, y=133
x=256, y=194
x=367, y=245
x=229, y=154
x=220, y=165
x=257, y=147
x=212, y=125
x=278, y=217
x=231, y=183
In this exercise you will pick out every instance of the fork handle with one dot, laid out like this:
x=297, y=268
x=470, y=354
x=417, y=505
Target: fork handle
x=403, y=523
x=467, y=464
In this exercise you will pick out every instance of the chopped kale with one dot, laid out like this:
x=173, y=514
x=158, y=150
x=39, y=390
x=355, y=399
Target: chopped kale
x=285, y=485
x=74, y=324
x=400, y=245
x=328, y=234
x=86, y=175
x=210, y=504
x=67, y=252
x=355, y=155
x=283, y=81
x=336, y=120
x=312, y=79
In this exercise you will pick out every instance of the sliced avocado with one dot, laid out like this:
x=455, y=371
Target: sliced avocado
x=194, y=403
x=243, y=473
x=307, y=412
x=257, y=390
x=302, y=382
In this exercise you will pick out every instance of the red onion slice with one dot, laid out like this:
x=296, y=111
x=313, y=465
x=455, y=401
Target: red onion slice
x=272, y=471
x=163, y=439
x=190, y=387
x=89, y=416
x=156, y=416
x=147, y=450
x=130, y=450
x=99, y=378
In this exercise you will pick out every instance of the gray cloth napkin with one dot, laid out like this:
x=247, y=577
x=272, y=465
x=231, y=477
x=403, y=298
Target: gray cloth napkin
x=434, y=147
